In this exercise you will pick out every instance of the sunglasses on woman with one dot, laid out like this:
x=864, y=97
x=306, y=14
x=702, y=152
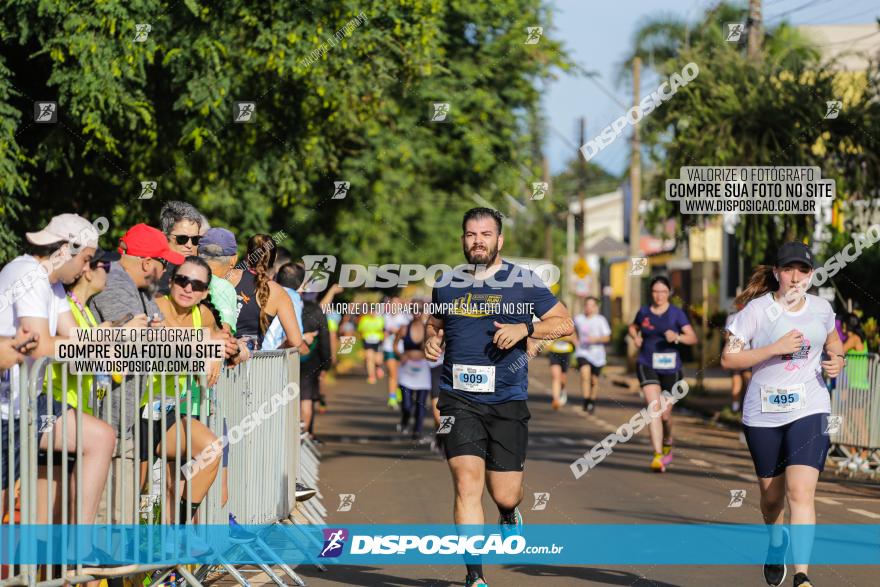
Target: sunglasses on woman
x=183, y=281
x=181, y=239
x=105, y=265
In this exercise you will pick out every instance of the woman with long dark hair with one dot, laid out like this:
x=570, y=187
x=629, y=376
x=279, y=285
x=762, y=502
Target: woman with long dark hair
x=788, y=338
x=657, y=330
x=259, y=298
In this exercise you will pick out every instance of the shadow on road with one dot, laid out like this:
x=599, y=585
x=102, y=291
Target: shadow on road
x=604, y=576
x=372, y=576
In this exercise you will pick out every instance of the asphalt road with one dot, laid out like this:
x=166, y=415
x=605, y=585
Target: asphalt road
x=398, y=481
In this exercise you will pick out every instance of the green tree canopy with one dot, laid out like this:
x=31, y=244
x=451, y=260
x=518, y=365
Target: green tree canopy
x=352, y=106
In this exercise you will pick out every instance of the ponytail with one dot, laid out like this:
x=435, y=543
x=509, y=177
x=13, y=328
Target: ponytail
x=761, y=282
x=260, y=257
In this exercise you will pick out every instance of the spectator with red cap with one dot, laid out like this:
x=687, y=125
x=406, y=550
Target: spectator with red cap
x=128, y=293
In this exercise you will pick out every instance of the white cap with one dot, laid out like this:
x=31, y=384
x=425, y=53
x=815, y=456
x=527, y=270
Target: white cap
x=71, y=228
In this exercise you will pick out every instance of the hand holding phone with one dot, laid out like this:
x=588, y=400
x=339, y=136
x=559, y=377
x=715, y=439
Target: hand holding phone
x=125, y=319
x=23, y=347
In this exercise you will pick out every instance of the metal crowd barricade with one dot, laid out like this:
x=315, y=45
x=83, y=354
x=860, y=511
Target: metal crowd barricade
x=264, y=464
x=856, y=399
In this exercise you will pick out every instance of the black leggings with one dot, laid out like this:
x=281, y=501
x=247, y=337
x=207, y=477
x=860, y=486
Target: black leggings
x=414, y=400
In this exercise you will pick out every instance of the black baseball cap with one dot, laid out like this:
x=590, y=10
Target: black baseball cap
x=794, y=252
x=104, y=255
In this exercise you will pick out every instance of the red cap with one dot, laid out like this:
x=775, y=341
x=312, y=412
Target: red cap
x=145, y=241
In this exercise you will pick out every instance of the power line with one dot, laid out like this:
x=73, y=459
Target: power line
x=779, y=16
x=850, y=40
x=874, y=10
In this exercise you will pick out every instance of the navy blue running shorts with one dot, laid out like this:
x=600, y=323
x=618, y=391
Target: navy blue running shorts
x=802, y=442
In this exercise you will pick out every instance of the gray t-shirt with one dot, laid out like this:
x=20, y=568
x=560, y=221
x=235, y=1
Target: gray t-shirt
x=122, y=297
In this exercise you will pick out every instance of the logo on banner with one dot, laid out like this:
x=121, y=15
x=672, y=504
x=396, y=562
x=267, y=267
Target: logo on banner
x=539, y=190
x=346, y=500
x=45, y=112
x=834, y=423
x=734, y=31
x=737, y=496
x=534, y=34
x=638, y=265
x=541, y=501
x=318, y=271
x=340, y=189
x=832, y=109
x=346, y=345
x=446, y=423
x=334, y=542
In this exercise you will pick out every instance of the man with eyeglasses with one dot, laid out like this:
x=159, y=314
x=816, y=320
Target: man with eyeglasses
x=182, y=225
x=130, y=284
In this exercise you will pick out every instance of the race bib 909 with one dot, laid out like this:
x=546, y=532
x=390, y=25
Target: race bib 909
x=473, y=378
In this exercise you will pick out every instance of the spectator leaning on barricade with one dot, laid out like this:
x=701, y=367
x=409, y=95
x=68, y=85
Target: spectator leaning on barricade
x=34, y=302
x=13, y=350
x=128, y=293
x=93, y=386
x=259, y=298
x=181, y=223
x=185, y=307
x=218, y=249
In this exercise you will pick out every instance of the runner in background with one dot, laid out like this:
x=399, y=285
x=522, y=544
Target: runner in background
x=657, y=330
x=436, y=374
x=395, y=319
x=371, y=327
x=560, y=357
x=593, y=333
x=782, y=334
x=739, y=379
x=414, y=374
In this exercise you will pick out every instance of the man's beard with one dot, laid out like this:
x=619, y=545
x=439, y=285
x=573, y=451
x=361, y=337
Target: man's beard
x=486, y=257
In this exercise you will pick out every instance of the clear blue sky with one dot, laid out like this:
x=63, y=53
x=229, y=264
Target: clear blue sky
x=598, y=35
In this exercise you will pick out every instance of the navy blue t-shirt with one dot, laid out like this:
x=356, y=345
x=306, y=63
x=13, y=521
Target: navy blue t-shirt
x=654, y=340
x=512, y=295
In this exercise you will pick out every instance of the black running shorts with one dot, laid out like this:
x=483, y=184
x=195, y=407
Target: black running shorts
x=594, y=370
x=648, y=376
x=497, y=433
x=561, y=359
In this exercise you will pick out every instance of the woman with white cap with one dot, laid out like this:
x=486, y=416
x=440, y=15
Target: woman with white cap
x=34, y=299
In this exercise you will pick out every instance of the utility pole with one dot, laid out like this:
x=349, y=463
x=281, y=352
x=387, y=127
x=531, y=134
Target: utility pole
x=547, y=205
x=582, y=184
x=582, y=188
x=755, y=30
x=635, y=179
x=704, y=335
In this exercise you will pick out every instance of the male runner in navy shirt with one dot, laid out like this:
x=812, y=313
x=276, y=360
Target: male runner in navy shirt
x=484, y=320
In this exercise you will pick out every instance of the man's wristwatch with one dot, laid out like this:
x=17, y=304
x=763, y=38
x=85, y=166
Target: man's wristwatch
x=677, y=338
x=530, y=328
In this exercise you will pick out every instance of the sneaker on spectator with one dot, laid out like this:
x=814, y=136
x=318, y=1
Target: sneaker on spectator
x=304, y=493
x=237, y=533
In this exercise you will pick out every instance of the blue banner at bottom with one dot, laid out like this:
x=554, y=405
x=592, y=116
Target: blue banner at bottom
x=406, y=544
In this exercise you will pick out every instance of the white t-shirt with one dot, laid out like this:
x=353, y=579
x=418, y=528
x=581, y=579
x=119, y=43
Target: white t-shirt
x=754, y=324
x=415, y=374
x=393, y=323
x=595, y=326
x=25, y=291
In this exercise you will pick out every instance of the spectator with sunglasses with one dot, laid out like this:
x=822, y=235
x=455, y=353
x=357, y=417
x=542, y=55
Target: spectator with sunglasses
x=186, y=307
x=182, y=225
x=144, y=255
